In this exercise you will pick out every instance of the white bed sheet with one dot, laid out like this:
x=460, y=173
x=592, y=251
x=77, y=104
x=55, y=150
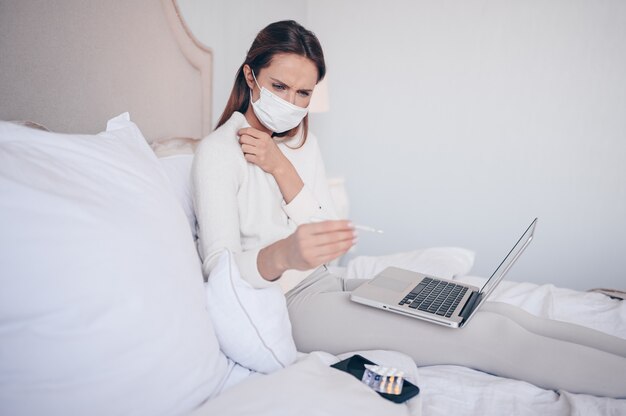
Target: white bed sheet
x=462, y=391
x=458, y=390
x=453, y=390
x=589, y=309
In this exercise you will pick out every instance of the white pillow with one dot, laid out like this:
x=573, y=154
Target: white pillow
x=444, y=262
x=101, y=296
x=178, y=170
x=252, y=325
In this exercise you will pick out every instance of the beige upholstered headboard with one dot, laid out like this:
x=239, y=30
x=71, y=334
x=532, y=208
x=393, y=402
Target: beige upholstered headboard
x=71, y=65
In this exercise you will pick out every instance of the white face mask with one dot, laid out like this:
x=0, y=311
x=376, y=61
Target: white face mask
x=275, y=113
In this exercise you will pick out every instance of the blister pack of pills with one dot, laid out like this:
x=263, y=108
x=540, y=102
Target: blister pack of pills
x=383, y=379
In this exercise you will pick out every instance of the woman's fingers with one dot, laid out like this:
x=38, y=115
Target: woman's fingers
x=251, y=158
x=246, y=139
x=330, y=226
x=317, y=243
x=248, y=149
x=328, y=232
x=252, y=133
x=332, y=237
x=330, y=252
x=251, y=141
x=255, y=142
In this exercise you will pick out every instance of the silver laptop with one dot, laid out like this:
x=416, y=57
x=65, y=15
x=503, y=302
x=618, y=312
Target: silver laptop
x=440, y=301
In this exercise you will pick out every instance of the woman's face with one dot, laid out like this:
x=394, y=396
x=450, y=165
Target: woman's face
x=289, y=76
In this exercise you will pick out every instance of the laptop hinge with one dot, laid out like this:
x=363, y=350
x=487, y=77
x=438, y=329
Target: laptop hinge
x=469, y=305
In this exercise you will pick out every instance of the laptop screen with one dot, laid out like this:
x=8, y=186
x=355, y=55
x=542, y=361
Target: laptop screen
x=508, y=261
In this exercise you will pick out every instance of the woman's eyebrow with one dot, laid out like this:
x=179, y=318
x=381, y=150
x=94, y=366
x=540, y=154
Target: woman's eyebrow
x=289, y=86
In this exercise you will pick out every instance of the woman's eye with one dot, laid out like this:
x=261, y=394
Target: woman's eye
x=278, y=87
x=304, y=94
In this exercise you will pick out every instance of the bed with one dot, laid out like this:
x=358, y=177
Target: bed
x=69, y=67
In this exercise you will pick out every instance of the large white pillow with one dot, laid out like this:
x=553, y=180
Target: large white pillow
x=178, y=170
x=444, y=262
x=252, y=325
x=176, y=157
x=102, y=307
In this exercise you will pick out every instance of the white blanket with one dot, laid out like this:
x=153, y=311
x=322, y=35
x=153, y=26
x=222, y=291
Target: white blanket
x=592, y=310
x=463, y=391
x=311, y=387
x=452, y=390
x=444, y=389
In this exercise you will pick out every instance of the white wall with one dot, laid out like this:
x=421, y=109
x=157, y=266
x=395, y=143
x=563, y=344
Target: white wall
x=457, y=122
x=228, y=28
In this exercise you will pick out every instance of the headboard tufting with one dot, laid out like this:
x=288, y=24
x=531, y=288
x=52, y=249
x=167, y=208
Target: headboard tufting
x=74, y=64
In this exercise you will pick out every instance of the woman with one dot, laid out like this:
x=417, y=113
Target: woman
x=260, y=190
x=252, y=167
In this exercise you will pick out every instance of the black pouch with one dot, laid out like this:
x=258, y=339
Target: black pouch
x=355, y=365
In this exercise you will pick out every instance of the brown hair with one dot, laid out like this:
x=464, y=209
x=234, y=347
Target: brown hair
x=286, y=36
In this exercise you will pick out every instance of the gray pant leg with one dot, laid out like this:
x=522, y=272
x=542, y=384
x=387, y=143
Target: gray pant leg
x=500, y=339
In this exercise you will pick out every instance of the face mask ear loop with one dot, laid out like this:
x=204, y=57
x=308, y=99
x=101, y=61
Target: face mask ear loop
x=257, y=84
x=255, y=81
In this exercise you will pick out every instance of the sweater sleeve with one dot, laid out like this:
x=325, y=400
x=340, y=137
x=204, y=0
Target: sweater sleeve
x=313, y=200
x=216, y=173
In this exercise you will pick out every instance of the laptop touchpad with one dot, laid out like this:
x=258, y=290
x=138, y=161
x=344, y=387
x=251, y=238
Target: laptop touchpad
x=389, y=283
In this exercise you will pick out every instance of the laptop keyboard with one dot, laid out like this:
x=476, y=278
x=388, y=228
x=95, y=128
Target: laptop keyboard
x=435, y=296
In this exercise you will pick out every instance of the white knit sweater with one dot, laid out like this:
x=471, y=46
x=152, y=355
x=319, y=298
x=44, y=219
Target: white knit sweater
x=239, y=206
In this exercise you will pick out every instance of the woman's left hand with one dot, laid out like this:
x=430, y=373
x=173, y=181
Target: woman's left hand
x=259, y=148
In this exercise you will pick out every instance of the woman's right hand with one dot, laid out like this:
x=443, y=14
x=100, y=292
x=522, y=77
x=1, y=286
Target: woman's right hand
x=314, y=244
x=310, y=246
